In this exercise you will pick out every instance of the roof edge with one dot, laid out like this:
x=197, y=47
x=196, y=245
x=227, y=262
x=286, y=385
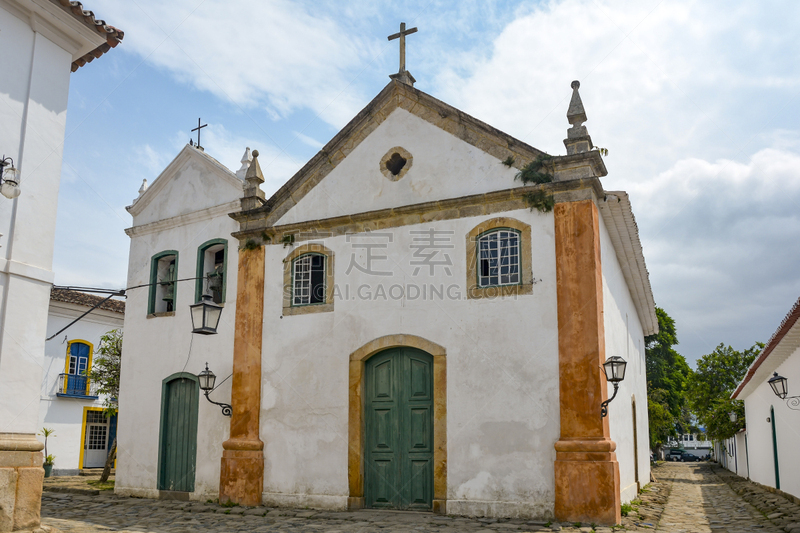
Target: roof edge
x=158, y=184
x=785, y=326
x=618, y=216
x=393, y=96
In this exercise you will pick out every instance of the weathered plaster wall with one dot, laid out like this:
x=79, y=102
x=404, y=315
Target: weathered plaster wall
x=624, y=337
x=502, y=374
x=443, y=166
x=65, y=415
x=759, y=431
x=158, y=347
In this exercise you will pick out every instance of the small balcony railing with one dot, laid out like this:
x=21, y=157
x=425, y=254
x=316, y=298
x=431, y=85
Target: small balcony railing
x=76, y=386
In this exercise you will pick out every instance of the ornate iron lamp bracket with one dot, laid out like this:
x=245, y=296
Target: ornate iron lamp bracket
x=604, y=405
x=793, y=402
x=226, y=409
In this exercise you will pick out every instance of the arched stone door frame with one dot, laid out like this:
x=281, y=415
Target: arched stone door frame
x=355, y=470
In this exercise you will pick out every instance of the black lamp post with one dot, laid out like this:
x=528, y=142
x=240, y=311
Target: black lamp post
x=9, y=178
x=207, y=379
x=614, y=367
x=780, y=386
x=205, y=316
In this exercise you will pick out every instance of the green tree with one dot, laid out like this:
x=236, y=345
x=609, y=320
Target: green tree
x=105, y=375
x=712, y=384
x=667, y=381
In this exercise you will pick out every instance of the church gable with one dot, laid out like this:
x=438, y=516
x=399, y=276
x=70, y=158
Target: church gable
x=441, y=152
x=191, y=182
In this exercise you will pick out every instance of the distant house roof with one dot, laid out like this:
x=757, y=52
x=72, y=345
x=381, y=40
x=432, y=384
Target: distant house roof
x=88, y=300
x=789, y=330
x=112, y=35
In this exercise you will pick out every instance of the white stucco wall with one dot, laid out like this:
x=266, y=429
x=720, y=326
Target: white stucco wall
x=65, y=415
x=33, y=103
x=443, y=167
x=787, y=421
x=158, y=347
x=624, y=337
x=502, y=376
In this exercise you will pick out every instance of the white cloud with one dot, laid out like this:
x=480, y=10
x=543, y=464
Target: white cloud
x=277, y=55
x=694, y=100
x=719, y=239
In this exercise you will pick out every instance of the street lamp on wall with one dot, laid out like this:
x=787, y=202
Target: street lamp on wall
x=614, y=368
x=207, y=379
x=9, y=178
x=733, y=417
x=780, y=386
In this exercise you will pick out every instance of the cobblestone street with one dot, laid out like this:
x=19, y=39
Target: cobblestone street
x=699, y=500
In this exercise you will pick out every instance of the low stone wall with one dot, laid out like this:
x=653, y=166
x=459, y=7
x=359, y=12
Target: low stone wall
x=780, y=508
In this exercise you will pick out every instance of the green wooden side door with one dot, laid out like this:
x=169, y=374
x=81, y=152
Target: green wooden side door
x=178, y=440
x=399, y=430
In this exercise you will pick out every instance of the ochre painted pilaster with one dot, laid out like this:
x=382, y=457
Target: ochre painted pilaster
x=242, y=473
x=586, y=468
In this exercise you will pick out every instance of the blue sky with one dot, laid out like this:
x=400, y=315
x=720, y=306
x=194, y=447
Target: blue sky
x=697, y=103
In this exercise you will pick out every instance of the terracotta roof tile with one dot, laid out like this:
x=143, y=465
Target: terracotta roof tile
x=88, y=300
x=112, y=35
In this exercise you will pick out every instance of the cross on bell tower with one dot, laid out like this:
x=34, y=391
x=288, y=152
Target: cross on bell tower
x=403, y=75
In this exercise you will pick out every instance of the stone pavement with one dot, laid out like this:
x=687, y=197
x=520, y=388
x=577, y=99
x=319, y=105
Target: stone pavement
x=701, y=502
x=692, y=497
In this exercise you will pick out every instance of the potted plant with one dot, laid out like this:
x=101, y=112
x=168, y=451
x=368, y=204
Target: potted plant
x=48, y=465
x=48, y=459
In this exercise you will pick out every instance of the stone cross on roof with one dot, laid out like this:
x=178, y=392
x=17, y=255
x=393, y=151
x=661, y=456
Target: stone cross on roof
x=403, y=75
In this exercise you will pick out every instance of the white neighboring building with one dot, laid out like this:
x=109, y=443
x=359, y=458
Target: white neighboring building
x=42, y=41
x=693, y=443
x=507, y=374
x=772, y=438
x=70, y=404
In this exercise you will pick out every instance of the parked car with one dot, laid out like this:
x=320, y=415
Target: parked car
x=687, y=457
x=675, y=455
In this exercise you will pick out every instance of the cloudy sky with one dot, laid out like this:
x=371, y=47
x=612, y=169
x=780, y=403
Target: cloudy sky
x=697, y=103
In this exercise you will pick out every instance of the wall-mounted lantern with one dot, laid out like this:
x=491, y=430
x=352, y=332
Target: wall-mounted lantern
x=207, y=379
x=733, y=417
x=614, y=368
x=205, y=316
x=9, y=178
x=780, y=386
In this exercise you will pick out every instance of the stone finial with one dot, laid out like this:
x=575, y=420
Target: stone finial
x=246, y=158
x=578, y=139
x=143, y=188
x=253, y=195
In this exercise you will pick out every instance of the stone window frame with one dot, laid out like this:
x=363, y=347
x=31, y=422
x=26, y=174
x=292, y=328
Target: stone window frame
x=474, y=291
x=288, y=280
x=405, y=154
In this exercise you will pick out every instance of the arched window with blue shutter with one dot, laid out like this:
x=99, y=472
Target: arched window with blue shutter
x=77, y=367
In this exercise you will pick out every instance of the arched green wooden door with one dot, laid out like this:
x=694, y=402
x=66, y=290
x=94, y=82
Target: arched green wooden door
x=178, y=435
x=399, y=430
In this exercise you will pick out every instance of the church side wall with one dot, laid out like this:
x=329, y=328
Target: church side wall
x=158, y=347
x=624, y=337
x=502, y=372
x=759, y=431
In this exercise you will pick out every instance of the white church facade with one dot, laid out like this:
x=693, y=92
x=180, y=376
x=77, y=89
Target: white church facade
x=406, y=325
